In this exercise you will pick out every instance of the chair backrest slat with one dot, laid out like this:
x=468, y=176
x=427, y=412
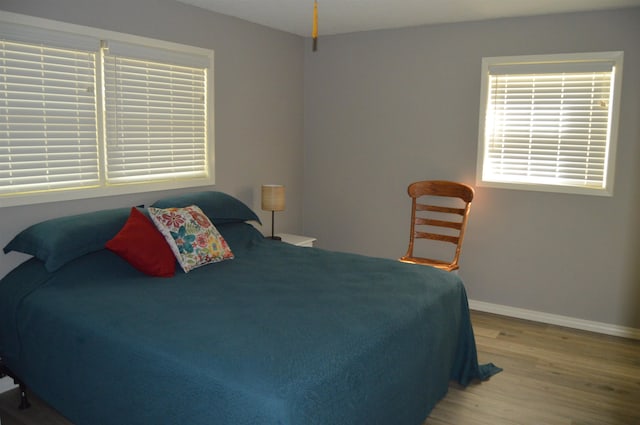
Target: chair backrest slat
x=436, y=208
x=438, y=223
x=437, y=237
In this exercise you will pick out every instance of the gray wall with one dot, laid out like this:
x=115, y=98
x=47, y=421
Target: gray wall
x=386, y=108
x=258, y=102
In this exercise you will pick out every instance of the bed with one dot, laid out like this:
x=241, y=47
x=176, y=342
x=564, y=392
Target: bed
x=272, y=334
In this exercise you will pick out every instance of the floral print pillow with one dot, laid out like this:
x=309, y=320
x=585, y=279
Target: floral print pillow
x=192, y=237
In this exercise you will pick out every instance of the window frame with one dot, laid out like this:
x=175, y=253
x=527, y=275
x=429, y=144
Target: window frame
x=559, y=63
x=23, y=28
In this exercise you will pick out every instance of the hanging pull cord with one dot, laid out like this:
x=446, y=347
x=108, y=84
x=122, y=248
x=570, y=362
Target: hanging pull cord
x=314, y=32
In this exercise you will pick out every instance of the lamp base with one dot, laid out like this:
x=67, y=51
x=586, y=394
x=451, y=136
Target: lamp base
x=275, y=238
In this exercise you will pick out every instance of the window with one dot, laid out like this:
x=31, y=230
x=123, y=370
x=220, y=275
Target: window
x=87, y=113
x=48, y=118
x=155, y=119
x=549, y=122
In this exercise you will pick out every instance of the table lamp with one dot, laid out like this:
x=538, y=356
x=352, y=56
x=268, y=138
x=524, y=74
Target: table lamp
x=273, y=200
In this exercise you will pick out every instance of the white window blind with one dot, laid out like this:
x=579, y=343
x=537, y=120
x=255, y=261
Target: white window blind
x=155, y=120
x=86, y=113
x=48, y=138
x=549, y=124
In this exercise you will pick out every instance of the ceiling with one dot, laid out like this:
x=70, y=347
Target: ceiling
x=344, y=16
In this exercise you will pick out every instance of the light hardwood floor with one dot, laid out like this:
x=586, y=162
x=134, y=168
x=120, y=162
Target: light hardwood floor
x=552, y=376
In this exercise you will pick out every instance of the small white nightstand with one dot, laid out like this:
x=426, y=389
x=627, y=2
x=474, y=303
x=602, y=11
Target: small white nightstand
x=6, y=384
x=297, y=240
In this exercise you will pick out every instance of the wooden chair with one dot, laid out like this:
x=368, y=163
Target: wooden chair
x=437, y=215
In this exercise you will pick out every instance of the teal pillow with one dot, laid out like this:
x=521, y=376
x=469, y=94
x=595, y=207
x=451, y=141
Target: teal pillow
x=218, y=206
x=60, y=240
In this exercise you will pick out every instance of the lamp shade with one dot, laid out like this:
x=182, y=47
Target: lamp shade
x=273, y=198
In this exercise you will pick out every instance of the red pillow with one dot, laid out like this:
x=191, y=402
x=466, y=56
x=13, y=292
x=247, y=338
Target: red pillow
x=143, y=246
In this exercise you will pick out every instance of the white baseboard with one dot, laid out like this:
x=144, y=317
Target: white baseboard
x=554, y=319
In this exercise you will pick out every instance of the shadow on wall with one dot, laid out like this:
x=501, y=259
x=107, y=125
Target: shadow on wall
x=633, y=302
x=635, y=298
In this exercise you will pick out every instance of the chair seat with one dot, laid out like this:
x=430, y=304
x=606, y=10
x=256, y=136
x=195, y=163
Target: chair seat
x=442, y=265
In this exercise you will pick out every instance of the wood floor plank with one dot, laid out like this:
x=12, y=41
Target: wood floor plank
x=552, y=376
x=38, y=414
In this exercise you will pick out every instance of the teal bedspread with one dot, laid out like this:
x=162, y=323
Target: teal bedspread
x=279, y=335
